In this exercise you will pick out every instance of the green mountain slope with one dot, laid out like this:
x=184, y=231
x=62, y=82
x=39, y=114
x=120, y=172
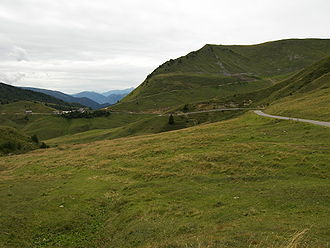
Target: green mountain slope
x=250, y=181
x=222, y=71
x=304, y=94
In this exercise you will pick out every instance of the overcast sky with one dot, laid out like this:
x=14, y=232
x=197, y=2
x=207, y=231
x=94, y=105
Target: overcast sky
x=76, y=45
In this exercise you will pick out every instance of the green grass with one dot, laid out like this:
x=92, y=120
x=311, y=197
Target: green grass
x=249, y=181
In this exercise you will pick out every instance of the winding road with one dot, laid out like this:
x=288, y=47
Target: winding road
x=320, y=123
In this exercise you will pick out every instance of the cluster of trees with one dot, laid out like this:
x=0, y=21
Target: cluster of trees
x=66, y=107
x=14, y=146
x=86, y=114
x=10, y=146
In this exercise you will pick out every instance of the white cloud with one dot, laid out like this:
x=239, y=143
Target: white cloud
x=97, y=45
x=11, y=77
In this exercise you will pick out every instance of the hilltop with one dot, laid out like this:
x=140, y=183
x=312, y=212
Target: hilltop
x=222, y=71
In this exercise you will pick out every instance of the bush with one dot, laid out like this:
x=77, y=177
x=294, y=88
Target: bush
x=185, y=108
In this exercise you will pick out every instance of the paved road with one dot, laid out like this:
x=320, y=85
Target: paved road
x=320, y=123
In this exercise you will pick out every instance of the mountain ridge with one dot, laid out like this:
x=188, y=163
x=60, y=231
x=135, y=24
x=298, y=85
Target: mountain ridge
x=9, y=93
x=68, y=98
x=213, y=66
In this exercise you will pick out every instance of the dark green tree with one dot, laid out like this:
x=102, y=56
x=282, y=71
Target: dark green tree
x=185, y=108
x=35, y=139
x=171, y=120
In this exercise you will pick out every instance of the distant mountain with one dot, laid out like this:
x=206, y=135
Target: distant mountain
x=10, y=94
x=68, y=98
x=110, y=97
x=96, y=97
x=118, y=92
x=114, y=98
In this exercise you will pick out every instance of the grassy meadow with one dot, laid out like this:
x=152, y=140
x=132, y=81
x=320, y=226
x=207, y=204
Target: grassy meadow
x=245, y=182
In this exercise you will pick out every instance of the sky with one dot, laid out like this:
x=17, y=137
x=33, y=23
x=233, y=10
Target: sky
x=99, y=45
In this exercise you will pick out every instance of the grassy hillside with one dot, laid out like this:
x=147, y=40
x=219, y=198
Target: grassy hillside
x=266, y=59
x=315, y=105
x=147, y=125
x=21, y=106
x=246, y=182
x=304, y=94
x=222, y=71
x=165, y=91
x=12, y=141
x=48, y=126
x=311, y=101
